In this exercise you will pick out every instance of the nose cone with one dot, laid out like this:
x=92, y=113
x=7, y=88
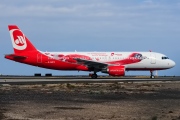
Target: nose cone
x=172, y=63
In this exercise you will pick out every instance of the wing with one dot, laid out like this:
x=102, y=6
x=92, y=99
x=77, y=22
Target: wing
x=91, y=63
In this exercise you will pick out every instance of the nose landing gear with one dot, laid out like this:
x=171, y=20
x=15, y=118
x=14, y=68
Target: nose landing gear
x=152, y=75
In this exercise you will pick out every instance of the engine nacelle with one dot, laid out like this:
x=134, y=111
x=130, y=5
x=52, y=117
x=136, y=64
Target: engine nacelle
x=82, y=68
x=115, y=70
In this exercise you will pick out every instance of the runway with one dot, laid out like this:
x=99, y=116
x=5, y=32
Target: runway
x=16, y=80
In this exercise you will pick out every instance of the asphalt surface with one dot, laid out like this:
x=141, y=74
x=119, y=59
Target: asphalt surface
x=16, y=80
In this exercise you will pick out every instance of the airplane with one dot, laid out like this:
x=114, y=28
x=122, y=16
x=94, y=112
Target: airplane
x=112, y=63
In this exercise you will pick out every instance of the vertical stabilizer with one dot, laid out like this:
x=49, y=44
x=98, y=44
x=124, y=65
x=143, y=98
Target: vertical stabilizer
x=19, y=41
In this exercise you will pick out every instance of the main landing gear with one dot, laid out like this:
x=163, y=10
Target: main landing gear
x=152, y=75
x=93, y=76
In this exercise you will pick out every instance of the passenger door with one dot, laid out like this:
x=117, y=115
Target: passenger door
x=153, y=59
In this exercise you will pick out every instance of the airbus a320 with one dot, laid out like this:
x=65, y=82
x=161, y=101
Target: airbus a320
x=112, y=63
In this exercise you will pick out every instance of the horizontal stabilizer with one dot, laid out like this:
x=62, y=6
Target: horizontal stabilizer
x=14, y=56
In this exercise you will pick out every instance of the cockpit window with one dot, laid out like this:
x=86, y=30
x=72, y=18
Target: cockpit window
x=164, y=58
x=138, y=56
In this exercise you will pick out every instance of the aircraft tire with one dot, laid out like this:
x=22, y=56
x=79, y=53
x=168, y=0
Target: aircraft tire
x=94, y=76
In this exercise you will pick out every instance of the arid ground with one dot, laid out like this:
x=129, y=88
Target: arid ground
x=92, y=101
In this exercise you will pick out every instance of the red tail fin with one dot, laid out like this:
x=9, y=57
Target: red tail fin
x=19, y=41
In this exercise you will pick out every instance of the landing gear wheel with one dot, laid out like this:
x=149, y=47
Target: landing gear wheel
x=152, y=77
x=94, y=76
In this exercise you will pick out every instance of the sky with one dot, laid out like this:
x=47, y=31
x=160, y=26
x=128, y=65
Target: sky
x=91, y=25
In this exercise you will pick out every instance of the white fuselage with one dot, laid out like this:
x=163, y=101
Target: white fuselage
x=151, y=60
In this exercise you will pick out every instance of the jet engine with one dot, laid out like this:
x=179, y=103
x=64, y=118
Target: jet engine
x=115, y=70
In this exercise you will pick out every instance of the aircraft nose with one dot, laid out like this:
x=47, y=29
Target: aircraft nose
x=172, y=63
